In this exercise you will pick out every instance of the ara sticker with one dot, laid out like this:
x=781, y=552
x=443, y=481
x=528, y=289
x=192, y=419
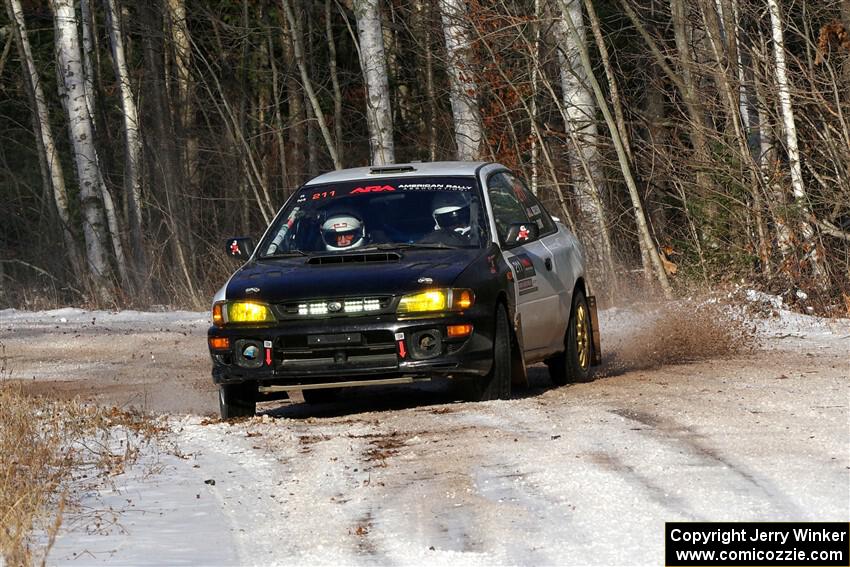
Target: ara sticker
x=535, y=210
x=373, y=189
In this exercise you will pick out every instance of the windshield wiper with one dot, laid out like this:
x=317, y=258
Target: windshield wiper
x=409, y=245
x=286, y=254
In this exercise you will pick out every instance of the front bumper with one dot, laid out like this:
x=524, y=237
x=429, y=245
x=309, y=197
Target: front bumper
x=348, y=349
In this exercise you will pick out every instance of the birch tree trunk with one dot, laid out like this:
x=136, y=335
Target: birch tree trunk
x=373, y=61
x=81, y=132
x=132, y=140
x=648, y=251
x=580, y=112
x=55, y=179
x=787, y=110
x=87, y=29
x=467, y=116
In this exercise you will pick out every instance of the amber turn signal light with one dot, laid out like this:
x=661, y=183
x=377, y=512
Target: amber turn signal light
x=454, y=331
x=219, y=343
x=464, y=300
x=217, y=315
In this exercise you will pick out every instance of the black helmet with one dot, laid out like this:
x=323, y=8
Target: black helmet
x=450, y=211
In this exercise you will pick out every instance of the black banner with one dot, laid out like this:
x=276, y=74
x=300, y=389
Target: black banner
x=760, y=544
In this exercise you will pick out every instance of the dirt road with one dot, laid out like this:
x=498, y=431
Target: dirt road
x=584, y=474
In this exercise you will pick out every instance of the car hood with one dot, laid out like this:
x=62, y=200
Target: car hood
x=290, y=279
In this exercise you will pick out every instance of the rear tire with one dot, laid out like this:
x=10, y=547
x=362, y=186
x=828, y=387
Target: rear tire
x=573, y=365
x=237, y=400
x=323, y=396
x=496, y=385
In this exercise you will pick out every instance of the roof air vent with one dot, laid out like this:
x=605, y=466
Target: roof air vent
x=384, y=170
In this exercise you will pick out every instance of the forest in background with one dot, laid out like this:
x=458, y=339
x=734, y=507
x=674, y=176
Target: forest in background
x=689, y=143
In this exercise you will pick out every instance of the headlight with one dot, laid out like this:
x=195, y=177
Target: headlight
x=436, y=300
x=242, y=312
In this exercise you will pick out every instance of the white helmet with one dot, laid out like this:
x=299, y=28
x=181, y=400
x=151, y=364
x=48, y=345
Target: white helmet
x=343, y=231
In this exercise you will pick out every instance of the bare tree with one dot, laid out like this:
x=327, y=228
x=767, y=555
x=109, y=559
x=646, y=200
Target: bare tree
x=467, y=115
x=132, y=141
x=81, y=132
x=790, y=126
x=298, y=54
x=88, y=49
x=580, y=122
x=373, y=61
x=55, y=178
x=651, y=260
x=332, y=68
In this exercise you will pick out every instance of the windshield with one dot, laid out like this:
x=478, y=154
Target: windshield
x=428, y=212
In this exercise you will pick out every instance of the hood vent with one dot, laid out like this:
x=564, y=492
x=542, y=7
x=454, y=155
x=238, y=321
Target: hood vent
x=365, y=258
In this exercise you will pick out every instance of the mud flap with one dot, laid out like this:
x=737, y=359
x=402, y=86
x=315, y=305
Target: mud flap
x=596, y=353
x=519, y=374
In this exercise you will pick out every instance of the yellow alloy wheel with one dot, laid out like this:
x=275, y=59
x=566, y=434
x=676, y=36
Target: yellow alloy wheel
x=582, y=336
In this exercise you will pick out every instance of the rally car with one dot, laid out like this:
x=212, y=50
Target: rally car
x=401, y=273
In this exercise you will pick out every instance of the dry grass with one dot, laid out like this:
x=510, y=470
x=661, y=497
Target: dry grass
x=46, y=448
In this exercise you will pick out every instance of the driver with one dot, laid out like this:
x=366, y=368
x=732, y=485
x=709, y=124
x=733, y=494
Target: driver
x=343, y=231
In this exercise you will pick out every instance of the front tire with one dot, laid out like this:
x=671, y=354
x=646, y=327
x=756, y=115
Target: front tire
x=573, y=365
x=496, y=385
x=237, y=400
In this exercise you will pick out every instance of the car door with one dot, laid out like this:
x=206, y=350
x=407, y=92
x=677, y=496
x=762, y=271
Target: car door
x=538, y=300
x=562, y=251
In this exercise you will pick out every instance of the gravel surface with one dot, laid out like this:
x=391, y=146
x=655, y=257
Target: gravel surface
x=742, y=420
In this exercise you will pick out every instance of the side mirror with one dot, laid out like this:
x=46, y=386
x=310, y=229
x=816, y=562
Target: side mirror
x=521, y=232
x=240, y=248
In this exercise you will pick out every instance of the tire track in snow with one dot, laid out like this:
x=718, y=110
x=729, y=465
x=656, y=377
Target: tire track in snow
x=670, y=431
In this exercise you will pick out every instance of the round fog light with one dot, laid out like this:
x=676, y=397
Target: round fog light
x=426, y=344
x=251, y=352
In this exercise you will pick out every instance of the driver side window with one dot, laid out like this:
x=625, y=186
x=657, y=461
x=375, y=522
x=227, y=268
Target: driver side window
x=507, y=208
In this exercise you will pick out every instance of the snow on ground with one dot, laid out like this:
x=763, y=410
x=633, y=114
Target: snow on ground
x=20, y=319
x=581, y=475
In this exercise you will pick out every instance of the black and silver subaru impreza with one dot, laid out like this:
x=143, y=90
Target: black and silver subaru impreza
x=390, y=275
